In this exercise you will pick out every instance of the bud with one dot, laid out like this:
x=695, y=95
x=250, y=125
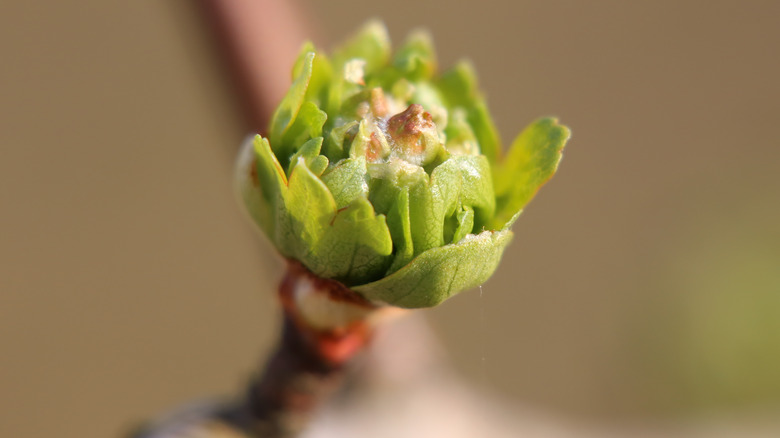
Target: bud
x=389, y=178
x=414, y=136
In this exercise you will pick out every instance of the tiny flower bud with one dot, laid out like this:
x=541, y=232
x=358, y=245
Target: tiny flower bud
x=378, y=103
x=353, y=71
x=414, y=135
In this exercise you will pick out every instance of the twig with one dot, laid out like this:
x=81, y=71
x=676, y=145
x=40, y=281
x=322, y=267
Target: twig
x=309, y=363
x=261, y=39
x=325, y=326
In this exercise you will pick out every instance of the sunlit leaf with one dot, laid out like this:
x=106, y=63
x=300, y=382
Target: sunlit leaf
x=530, y=162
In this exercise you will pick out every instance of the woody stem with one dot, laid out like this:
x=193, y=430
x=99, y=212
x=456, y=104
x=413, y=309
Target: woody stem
x=308, y=363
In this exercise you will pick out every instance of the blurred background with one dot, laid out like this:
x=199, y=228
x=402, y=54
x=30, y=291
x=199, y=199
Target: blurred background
x=642, y=288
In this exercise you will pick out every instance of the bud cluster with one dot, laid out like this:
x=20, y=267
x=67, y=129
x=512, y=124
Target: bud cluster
x=381, y=174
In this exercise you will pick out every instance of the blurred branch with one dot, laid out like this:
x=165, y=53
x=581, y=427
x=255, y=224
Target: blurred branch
x=260, y=40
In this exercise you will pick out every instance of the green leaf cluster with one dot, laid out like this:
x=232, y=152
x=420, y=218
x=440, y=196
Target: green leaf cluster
x=407, y=217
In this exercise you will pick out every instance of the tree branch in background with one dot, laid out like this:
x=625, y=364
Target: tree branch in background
x=261, y=39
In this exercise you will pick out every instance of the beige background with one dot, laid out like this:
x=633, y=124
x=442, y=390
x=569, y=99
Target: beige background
x=644, y=282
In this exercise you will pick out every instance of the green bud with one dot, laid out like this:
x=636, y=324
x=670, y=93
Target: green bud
x=381, y=174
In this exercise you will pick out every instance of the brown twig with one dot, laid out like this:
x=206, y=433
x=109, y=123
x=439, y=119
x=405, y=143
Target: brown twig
x=308, y=364
x=261, y=39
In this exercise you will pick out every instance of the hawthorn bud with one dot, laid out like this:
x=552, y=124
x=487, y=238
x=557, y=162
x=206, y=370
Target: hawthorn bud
x=385, y=176
x=414, y=136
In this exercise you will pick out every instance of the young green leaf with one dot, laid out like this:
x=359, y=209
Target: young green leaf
x=401, y=231
x=310, y=152
x=355, y=248
x=291, y=103
x=371, y=44
x=306, y=212
x=530, y=162
x=307, y=125
x=437, y=274
x=416, y=57
x=347, y=181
